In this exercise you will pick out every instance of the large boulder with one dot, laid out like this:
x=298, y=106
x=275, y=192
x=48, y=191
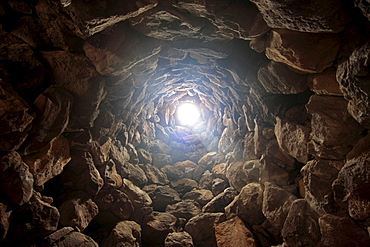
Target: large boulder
x=353, y=181
x=341, y=231
x=248, y=204
x=202, y=228
x=185, y=209
x=276, y=204
x=114, y=206
x=37, y=218
x=125, y=233
x=162, y=196
x=292, y=138
x=333, y=129
x=318, y=176
x=233, y=232
x=77, y=210
x=16, y=179
x=201, y=196
x=178, y=239
x=75, y=73
x=49, y=161
x=53, y=108
x=156, y=226
x=316, y=16
x=352, y=76
x=305, y=52
x=301, y=226
x=138, y=197
x=219, y=202
x=67, y=237
x=81, y=174
x=277, y=78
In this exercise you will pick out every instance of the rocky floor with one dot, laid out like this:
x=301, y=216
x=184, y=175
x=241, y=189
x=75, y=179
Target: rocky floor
x=92, y=152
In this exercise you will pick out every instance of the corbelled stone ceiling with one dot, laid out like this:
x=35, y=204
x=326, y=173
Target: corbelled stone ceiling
x=94, y=150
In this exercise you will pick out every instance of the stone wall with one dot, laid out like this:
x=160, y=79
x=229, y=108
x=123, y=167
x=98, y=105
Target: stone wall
x=91, y=152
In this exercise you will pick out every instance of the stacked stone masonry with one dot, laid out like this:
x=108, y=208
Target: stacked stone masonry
x=92, y=153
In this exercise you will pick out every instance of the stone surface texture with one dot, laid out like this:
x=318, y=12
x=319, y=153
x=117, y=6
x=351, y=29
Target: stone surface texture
x=94, y=152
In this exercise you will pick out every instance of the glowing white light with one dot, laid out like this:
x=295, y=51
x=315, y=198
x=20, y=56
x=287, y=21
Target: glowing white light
x=188, y=114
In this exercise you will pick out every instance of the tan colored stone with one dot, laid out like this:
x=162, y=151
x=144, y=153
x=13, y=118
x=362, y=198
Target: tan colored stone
x=202, y=228
x=186, y=163
x=156, y=226
x=162, y=196
x=305, y=52
x=184, y=185
x=260, y=141
x=325, y=83
x=77, y=75
x=154, y=175
x=258, y=44
x=352, y=76
x=126, y=233
x=341, y=231
x=160, y=160
x=114, y=206
x=16, y=179
x=50, y=161
x=249, y=147
x=351, y=186
x=101, y=152
x=248, y=204
x=121, y=60
x=329, y=16
x=292, y=139
x=178, y=239
x=38, y=218
x=277, y=78
x=67, y=237
x=318, y=177
x=207, y=160
x=172, y=172
x=244, y=20
x=276, y=204
x=201, y=196
x=53, y=108
x=232, y=233
x=277, y=166
x=60, y=29
x=334, y=131
x=81, y=173
x=77, y=210
x=219, y=170
x=219, y=185
x=235, y=175
x=220, y=201
x=301, y=227
x=185, y=209
x=99, y=16
x=138, y=197
x=110, y=175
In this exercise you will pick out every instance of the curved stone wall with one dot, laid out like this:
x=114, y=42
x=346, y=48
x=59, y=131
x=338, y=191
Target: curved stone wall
x=92, y=153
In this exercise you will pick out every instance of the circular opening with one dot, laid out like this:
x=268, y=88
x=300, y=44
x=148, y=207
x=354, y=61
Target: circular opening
x=187, y=114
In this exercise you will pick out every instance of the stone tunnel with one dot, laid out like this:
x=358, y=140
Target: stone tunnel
x=97, y=147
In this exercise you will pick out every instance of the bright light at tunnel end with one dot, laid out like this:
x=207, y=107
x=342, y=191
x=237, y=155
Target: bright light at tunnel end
x=188, y=114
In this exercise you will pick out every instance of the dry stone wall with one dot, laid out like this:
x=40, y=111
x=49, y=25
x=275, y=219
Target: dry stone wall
x=92, y=153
